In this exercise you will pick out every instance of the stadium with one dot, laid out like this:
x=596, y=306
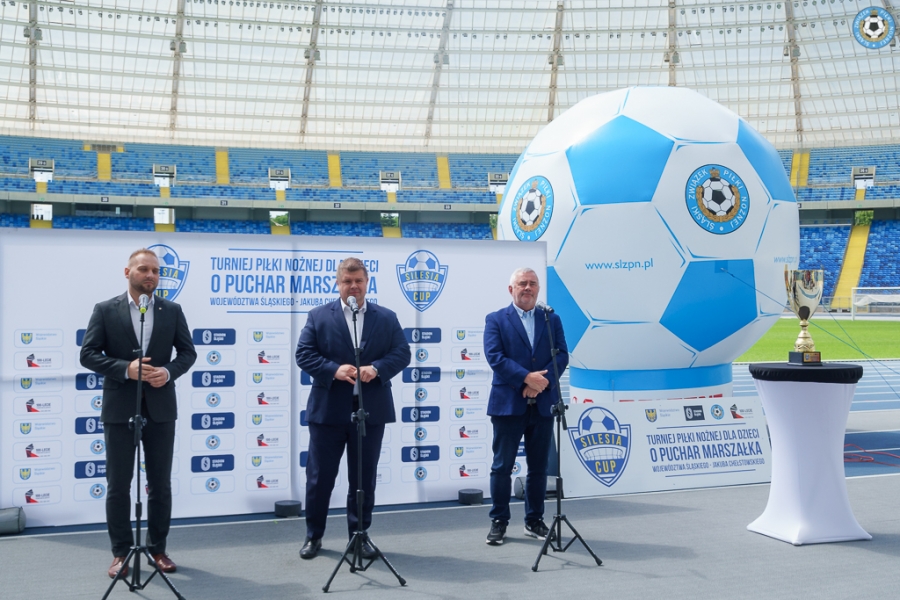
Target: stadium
x=331, y=125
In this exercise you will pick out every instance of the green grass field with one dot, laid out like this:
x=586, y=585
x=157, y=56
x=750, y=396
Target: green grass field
x=835, y=339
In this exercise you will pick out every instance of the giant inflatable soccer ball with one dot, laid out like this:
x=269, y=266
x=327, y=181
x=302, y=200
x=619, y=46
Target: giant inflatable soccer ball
x=668, y=222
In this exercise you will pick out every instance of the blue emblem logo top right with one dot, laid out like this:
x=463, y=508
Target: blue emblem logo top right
x=717, y=199
x=874, y=27
x=422, y=278
x=172, y=271
x=532, y=208
x=602, y=444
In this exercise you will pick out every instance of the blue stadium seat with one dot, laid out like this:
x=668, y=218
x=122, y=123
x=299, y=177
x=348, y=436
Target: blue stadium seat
x=222, y=226
x=336, y=229
x=334, y=195
x=881, y=267
x=816, y=194
x=104, y=223
x=18, y=221
x=455, y=231
x=786, y=156
x=833, y=165
x=360, y=169
x=193, y=163
x=447, y=196
x=470, y=170
x=823, y=248
x=251, y=165
x=70, y=158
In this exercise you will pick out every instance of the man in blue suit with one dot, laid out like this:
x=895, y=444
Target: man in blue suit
x=326, y=352
x=517, y=346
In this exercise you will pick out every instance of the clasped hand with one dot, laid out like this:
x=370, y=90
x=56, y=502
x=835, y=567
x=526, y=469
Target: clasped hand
x=348, y=373
x=155, y=376
x=535, y=383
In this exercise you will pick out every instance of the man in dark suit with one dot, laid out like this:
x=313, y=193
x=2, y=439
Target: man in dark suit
x=517, y=346
x=110, y=347
x=326, y=352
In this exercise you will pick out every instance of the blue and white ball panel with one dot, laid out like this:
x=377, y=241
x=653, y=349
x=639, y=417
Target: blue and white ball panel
x=619, y=262
x=623, y=346
x=765, y=160
x=688, y=116
x=577, y=122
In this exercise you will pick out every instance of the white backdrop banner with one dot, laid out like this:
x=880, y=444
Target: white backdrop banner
x=241, y=438
x=628, y=447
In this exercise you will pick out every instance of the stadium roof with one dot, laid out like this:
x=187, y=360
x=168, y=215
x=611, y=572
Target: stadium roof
x=435, y=75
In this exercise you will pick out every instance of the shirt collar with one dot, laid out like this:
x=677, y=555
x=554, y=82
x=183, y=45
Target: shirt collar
x=346, y=307
x=131, y=301
x=523, y=313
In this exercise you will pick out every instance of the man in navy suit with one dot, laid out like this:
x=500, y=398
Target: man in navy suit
x=110, y=348
x=326, y=352
x=517, y=346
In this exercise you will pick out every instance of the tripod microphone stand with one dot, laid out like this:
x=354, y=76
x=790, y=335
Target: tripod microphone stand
x=353, y=553
x=554, y=537
x=137, y=423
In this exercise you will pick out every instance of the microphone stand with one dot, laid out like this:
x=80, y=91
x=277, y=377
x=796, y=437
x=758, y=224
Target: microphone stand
x=353, y=553
x=137, y=423
x=554, y=537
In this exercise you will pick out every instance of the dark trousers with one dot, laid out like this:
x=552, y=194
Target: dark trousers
x=158, y=441
x=508, y=431
x=326, y=446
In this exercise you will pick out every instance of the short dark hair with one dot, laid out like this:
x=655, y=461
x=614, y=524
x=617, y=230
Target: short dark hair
x=350, y=265
x=141, y=251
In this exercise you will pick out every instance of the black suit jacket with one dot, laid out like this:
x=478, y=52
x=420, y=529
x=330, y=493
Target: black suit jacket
x=110, y=344
x=326, y=344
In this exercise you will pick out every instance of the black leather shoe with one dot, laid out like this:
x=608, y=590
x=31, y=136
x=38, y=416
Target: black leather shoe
x=367, y=551
x=310, y=548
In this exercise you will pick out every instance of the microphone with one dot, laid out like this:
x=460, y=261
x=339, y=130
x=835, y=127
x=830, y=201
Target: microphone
x=351, y=302
x=144, y=301
x=545, y=308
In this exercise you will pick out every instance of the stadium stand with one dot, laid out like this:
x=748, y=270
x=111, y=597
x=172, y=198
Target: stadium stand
x=447, y=196
x=104, y=223
x=235, y=192
x=815, y=194
x=786, y=157
x=222, y=226
x=470, y=170
x=70, y=158
x=336, y=229
x=881, y=267
x=193, y=163
x=7, y=220
x=456, y=231
x=360, y=169
x=249, y=165
x=823, y=248
x=101, y=188
x=832, y=165
x=883, y=192
x=17, y=184
x=334, y=195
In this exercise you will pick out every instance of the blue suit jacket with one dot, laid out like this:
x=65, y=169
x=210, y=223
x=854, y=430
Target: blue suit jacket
x=326, y=344
x=511, y=357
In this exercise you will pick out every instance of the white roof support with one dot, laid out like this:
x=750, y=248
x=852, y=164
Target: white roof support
x=672, y=51
x=794, y=52
x=310, y=66
x=438, y=68
x=32, y=63
x=555, y=59
x=176, y=65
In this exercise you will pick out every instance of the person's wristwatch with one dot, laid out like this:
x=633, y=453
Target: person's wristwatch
x=376, y=370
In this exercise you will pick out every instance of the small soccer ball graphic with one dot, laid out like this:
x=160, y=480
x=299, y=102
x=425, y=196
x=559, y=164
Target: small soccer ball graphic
x=598, y=420
x=873, y=27
x=658, y=203
x=531, y=208
x=423, y=260
x=97, y=446
x=718, y=197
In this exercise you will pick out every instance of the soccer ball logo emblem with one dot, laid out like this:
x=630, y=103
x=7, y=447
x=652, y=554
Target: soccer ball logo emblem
x=602, y=444
x=531, y=208
x=873, y=27
x=718, y=198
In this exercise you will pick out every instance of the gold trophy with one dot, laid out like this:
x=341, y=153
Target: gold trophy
x=804, y=290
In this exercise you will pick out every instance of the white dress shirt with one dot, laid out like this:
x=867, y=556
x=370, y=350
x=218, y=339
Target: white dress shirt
x=135, y=312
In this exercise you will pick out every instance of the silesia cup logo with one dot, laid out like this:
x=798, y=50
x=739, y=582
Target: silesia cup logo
x=874, y=27
x=532, y=209
x=422, y=279
x=717, y=199
x=602, y=444
x=173, y=271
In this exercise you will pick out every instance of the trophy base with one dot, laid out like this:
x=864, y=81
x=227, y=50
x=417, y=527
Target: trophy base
x=807, y=359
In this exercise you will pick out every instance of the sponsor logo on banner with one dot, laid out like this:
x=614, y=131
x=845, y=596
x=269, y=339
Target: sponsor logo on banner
x=97, y=491
x=469, y=451
x=269, y=378
x=532, y=209
x=717, y=412
x=43, y=495
x=650, y=413
x=24, y=473
x=212, y=379
x=213, y=357
x=255, y=461
x=418, y=473
x=220, y=462
x=717, y=199
x=88, y=381
x=98, y=447
x=422, y=335
x=421, y=375
x=421, y=354
x=422, y=279
x=467, y=354
x=173, y=271
x=694, y=413
x=274, y=481
x=269, y=440
x=416, y=395
x=420, y=453
x=517, y=468
x=602, y=444
x=874, y=27
x=468, y=432
x=88, y=403
x=467, y=334
x=469, y=392
x=37, y=450
x=473, y=374
x=420, y=433
x=90, y=468
x=25, y=382
x=257, y=336
x=269, y=399
x=213, y=441
x=270, y=337
x=469, y=470
x=740, y=413
x=39, y=338
x=213, y=337
x=256, y=419
x=418, y=414
x=32, y=406
x=212, y=421
x=469, y=413
x=88, y=425
x=213, y=400
x=38, y=360
x=268, y=357
x=39, y=428
x=220, y=484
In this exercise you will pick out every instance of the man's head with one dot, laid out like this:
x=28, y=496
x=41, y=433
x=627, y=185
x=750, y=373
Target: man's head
x=142, y=273
x=524, y=287
x=353, y=279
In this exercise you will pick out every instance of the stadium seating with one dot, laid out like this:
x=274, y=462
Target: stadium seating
x=786, y=156
x=832, y=165
x=251, y=165
x=101, y=188
x=456, y=231
x=360, y=169
x=447, y=196
x=470, y=170
x=193, y=163
x=823, y=248
x=17, y=184
x=815, y=194
x=882, y=192
x=222, y=226
x=7, y=220
x=334, y=195
x=881, y=267
x=104, y=223
x=336, y=229
x=70, y=158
